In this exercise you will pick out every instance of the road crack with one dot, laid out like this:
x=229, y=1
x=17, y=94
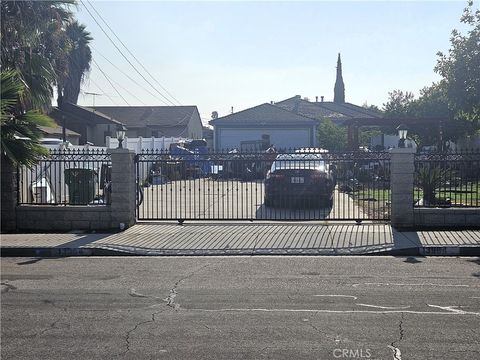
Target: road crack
x=52, y=325
x=6, y=287
x=129, y=333
x=335, y=338
x=397, y=354
x=171, y=298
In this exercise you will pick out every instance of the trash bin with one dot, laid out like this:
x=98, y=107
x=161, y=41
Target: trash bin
x=81, y=185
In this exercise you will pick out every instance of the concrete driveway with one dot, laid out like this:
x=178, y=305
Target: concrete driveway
x=258, y=238
x=232, y=199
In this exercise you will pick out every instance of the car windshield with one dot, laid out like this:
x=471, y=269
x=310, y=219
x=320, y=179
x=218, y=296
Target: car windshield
x=304, y=161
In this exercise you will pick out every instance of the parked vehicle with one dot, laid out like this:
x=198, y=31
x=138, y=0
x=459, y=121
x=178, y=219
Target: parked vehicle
x=55, y=144
x=301, y=178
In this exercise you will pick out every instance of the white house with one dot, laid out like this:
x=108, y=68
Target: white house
x=283, y=128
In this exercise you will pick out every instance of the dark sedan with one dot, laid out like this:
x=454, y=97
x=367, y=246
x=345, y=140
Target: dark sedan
x=299, y=179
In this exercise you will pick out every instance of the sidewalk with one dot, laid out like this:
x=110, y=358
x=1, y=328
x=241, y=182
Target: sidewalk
x=247, y=239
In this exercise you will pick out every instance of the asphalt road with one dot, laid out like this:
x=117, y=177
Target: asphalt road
x=241, y=308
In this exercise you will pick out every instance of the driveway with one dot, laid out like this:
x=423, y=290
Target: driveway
x=232, y=199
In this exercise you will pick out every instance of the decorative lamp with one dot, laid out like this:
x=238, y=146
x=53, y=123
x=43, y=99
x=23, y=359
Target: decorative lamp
x=402, y=134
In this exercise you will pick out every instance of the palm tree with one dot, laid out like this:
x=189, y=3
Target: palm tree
x=33, y=41
x=79, y=59
x=19, y=129
x=430, y=179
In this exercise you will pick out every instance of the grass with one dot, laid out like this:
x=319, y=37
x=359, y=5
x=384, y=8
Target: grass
x=382, y=195
x=465, y=196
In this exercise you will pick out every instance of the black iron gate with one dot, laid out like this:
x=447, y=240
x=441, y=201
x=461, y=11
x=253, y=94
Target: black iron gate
x=294, y=185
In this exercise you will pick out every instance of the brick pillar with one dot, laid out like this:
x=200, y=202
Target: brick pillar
x=401, y=183
x=9, y=196
x=123, y=188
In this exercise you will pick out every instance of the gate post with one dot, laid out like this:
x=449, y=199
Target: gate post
x=123, y=188
x=401, y=186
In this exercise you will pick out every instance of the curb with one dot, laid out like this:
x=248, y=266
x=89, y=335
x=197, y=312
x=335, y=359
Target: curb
x=86, y=252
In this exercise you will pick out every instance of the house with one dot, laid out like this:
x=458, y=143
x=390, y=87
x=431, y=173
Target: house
x=281, y=127
x=157, y=121
x=94, y=124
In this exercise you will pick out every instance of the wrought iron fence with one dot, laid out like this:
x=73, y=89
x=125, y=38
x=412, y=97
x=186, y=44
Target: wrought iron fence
x=299, y=184
x=447, y=179
x=67, y=177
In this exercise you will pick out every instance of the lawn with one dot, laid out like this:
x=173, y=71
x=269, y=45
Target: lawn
x=466, y=195
x=382, y=195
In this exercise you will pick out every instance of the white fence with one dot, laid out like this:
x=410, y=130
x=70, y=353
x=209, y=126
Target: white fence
x=139, y=144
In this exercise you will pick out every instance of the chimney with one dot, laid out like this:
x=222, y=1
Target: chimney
x=232, y=109
x=316, y=98
x=321, y=97
x=271, y=102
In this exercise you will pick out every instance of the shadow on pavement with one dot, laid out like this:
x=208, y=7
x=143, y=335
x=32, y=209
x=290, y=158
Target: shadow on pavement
x=405, y=240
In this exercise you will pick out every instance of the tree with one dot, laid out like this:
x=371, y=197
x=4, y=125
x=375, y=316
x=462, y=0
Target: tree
x=399, y=104
x=42, y=47
x=33, y=43
x=79, y=59
x=371, y=107
x=19, y=129
x=460, y=69
x=432, y=103
x=339, y=90
x=331, y=136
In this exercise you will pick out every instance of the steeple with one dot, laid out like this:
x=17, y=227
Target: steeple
x=339, y=90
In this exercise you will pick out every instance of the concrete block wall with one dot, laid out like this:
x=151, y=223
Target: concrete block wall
x=123, y=189
x=447, y=217
x=63, y=218
x=401, y=183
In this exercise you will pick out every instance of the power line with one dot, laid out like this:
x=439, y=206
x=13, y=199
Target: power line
x=123, y=55
x=120, y=86
x=110, y=82
x=131, y=54
x=124, y=73
x=103, y=91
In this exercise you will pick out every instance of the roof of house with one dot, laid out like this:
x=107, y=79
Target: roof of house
x=327, y=109
x=82, y=114
x=58, y=131
x=150, y=116
x=264, y=114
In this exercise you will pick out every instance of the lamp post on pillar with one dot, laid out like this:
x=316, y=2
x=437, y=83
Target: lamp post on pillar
x=402, y=134
x=120, y=136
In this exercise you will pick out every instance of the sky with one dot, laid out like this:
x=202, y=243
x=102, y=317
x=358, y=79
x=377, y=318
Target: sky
x=219, y=55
